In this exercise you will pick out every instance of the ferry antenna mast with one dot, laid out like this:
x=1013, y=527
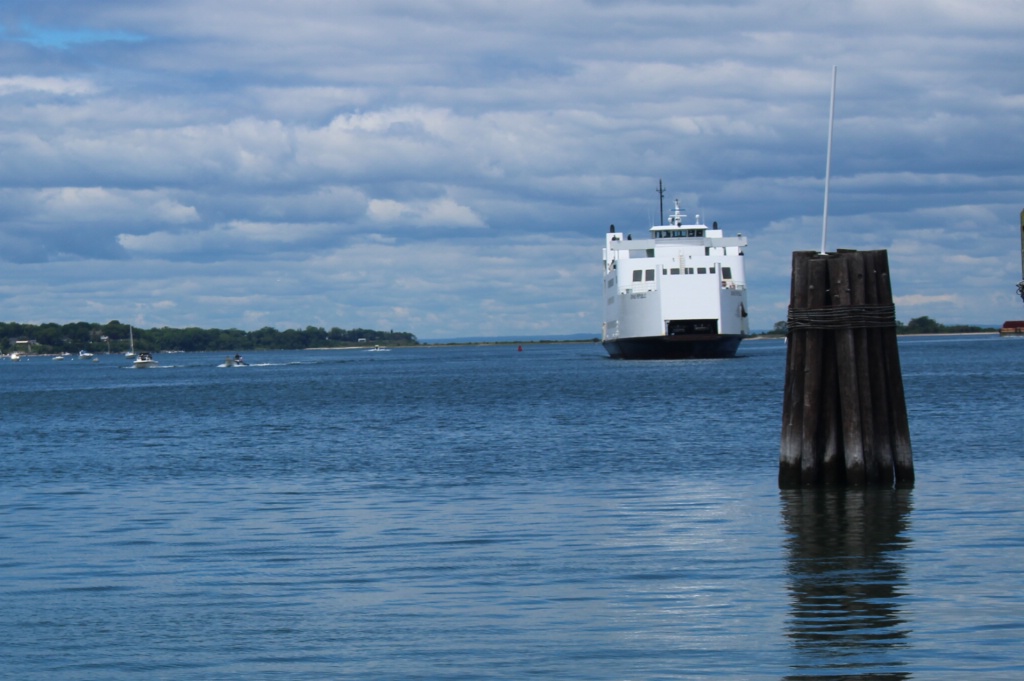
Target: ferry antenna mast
x=661, y=202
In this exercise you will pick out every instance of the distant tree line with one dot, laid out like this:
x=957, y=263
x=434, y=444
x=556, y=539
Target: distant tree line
x=114, y=337
x=914, y=326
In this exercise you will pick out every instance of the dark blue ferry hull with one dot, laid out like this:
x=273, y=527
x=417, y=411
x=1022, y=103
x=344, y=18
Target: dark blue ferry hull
x=709, y=346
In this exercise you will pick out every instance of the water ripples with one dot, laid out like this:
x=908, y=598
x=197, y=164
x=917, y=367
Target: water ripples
x=473, y=513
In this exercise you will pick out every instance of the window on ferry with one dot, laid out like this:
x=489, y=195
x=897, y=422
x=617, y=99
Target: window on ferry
x=650, y=252
x=638, y=275
x=688, y=270
x=726, y=273
x=650, y=275
x=674, y=270
x=700, y=232
x=691, y=232
x=611, y=282
x=702, y=270
x=712, y=270
x=677, y=233
x=707, y=250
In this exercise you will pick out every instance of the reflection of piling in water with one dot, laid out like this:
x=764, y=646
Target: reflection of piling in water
x=846, y=580
x=844, y=418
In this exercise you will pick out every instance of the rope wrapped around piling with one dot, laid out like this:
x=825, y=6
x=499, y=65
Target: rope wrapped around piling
x=844, y=418
x=843, y=317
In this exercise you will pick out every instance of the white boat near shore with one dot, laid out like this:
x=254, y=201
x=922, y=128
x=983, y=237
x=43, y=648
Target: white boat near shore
x=144, y=360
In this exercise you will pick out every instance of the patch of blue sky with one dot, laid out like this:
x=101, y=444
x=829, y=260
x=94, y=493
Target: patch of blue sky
x=62, y=39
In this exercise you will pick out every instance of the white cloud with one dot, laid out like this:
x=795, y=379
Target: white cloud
x=443, y=212
x=61, y=205
x=237, y=235
x=272, y=232
x=917, y=300
x=157, y=243
x=46, y=85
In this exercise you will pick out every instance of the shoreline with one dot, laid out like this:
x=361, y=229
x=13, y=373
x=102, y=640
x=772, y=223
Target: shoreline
x=595, y=340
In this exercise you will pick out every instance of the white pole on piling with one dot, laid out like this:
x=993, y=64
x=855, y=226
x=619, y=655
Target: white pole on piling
x=828, y=160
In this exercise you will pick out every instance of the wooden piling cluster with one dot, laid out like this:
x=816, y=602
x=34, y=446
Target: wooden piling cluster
x=844, y=419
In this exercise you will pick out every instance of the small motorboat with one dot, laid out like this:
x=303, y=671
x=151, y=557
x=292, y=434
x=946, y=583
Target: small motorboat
x=236, y=361
x=144, y=360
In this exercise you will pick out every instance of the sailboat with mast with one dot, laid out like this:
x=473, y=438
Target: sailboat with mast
x=143, y=360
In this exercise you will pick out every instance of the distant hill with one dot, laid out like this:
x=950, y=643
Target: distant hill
x=513, y=339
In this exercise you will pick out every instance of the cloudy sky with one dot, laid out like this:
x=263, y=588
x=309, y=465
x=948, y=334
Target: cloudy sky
x=449, y=167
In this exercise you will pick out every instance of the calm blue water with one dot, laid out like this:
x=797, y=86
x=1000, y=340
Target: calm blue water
x=482, y=513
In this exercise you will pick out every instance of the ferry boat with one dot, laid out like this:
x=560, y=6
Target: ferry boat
x=680, y=293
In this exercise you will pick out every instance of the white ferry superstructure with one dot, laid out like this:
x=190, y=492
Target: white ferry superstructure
x=681, y=293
